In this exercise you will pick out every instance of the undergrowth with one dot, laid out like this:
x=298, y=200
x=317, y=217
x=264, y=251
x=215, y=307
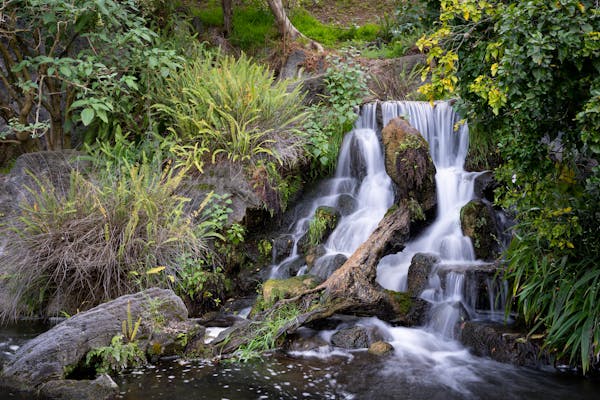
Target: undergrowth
x=115, y=231
x=236, y=109
x=267, y=333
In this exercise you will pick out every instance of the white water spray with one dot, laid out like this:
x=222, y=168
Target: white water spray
x=360, y=176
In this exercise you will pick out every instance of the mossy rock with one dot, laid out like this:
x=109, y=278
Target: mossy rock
x=408, y=310
x=419, y=272
x=279, y=289
x=477, y=222
x=409, y=164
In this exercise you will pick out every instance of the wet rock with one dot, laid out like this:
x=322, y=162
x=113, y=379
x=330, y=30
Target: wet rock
x=172, y=338
x=282, y=247
x=420, y=269
x=409, y=164
x=321, y=225
x=484, y=186
x=49, y=355
x=483, y=284
x=291, y=267
x=326, y=265
x=407, y=310
x=503, y=344
x=346, y=204
x=356, y=337
x=313, y=254
x=478, y=223
x=381, y=348
x=101, y=388
x=278, y=289
x=305, y=340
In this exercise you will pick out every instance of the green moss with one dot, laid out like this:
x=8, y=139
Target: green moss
x=391, y=210
x=401, y=300
x=278, y=289
x=410, y=142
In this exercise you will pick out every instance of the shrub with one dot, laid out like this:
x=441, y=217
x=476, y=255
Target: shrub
x=117, y=231
x=331, y=119
x=236, y=109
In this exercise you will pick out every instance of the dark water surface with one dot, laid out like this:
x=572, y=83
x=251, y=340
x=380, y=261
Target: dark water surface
x=421, y=367
x=358, y=376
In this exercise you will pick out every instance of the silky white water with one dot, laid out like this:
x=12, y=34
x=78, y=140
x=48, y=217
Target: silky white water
x=360, y=175
x=448, y=140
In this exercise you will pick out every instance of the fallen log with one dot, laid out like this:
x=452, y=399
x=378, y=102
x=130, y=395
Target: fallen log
x=350, y=289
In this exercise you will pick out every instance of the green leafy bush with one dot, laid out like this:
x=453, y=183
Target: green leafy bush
x=98, y=63
x=331, y=119
x=235, y=108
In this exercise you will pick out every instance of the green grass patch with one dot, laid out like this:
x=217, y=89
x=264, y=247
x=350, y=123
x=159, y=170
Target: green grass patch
x=331, y=35
x=211, y=15
x=253, y=27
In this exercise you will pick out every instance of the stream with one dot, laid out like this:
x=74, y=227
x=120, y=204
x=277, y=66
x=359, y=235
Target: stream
x=427, y=362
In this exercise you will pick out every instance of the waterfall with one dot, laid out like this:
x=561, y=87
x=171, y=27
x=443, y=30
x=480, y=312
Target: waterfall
x=360, y=178
x=448, y=141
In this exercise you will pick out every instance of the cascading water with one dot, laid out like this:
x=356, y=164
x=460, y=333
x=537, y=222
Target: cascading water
x=448, y=147
x=360, y=176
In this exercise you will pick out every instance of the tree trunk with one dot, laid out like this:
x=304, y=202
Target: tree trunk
x=285, y=26
x=227, y=17
x=352, y=288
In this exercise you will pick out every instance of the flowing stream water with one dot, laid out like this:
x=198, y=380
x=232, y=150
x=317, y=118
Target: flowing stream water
x=427, y=363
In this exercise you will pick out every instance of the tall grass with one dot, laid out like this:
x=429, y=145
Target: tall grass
x=236, y=109
x=106, y=235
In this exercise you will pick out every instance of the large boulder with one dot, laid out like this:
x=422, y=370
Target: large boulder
x=503, y=344
x=51, y=354
x=478, y=223
x=101, y=388
x=409, y=164
x=483, y=287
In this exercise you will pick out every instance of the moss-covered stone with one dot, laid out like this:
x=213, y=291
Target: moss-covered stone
x=477, y=222
x=278, y=289
x=408, y=163
x=408, y=310
x=401, y=300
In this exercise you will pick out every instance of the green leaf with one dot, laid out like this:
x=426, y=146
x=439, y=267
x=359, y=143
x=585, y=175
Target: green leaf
x=87, y=116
